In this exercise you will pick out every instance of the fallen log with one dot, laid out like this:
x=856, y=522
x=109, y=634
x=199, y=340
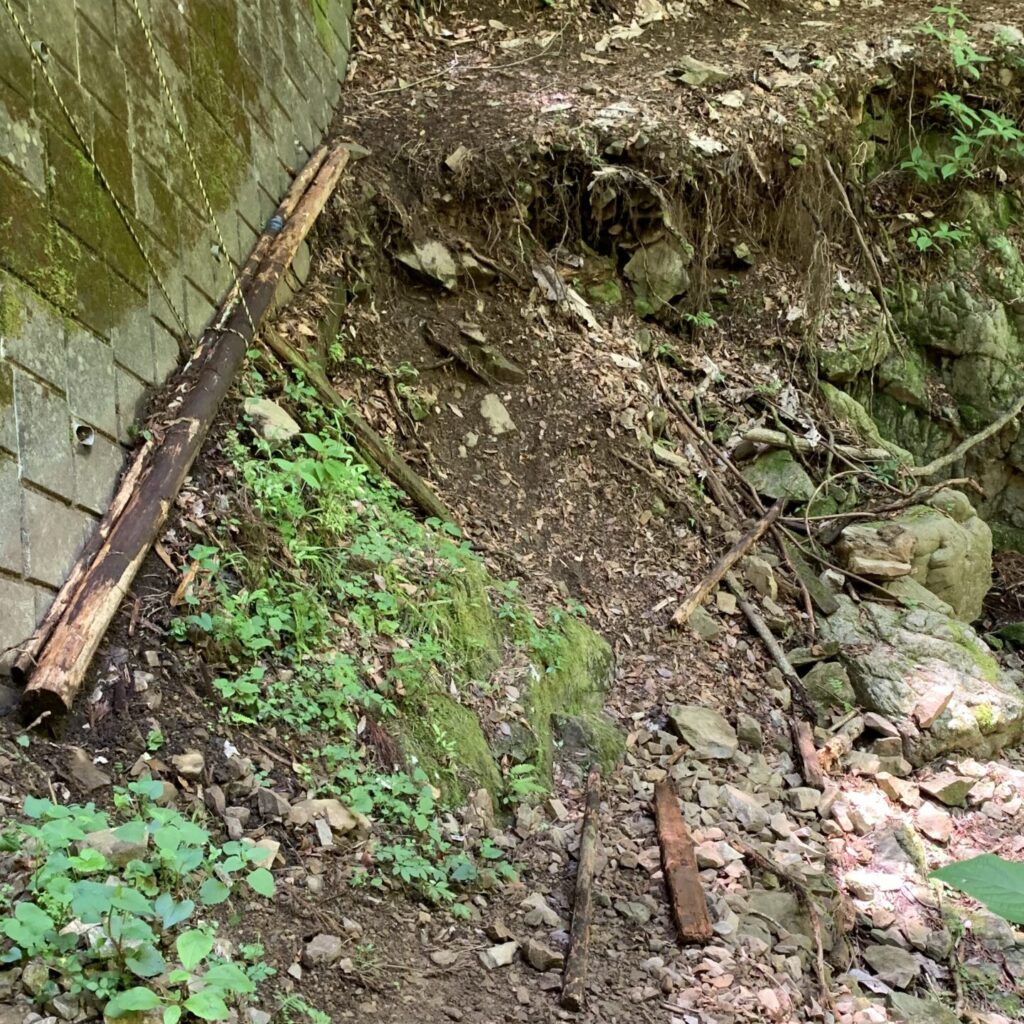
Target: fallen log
x=370, y=445
x=679, y=863
x=106, y=569
x=725, y=563
x=777, y=439
x=803, y=739
x=30, y=649
x=574, y=981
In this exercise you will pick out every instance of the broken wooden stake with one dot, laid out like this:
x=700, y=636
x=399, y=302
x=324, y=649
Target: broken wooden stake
x=574, y=983
x=62, y=649
x=803, y=738
x=679, y=863
x=725, y=563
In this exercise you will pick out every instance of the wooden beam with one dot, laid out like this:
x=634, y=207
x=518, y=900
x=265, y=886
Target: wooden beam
x=679, y=863
x=147, y=492
x=574, y=985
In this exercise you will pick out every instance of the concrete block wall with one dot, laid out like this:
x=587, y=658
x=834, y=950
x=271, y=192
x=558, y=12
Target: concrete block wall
x=90, y=322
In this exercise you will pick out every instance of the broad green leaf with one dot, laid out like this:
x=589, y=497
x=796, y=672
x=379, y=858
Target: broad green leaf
x=172, y=1014
x=172, y=913
x=89, y=861
x=91, y=900
x=146, y=962
x=149, y=788
x=991, y=880
x=207, y=1005
x=213, y=891
x=193, y=946
x=131, y=831
x=261, y=881
x=131, y=900
x=132, y=1000
x=35, y=807
x=230, y=978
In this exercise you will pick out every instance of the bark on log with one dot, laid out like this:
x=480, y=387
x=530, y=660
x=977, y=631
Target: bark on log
x=31, y=648
x=803, y=738
x=371, y=446
x=679, y=862
x=574, y=984
x=725, y=563
x=146, y=495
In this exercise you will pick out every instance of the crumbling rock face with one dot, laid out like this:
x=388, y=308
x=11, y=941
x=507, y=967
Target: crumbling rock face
x=943, y=545
x=903, y=663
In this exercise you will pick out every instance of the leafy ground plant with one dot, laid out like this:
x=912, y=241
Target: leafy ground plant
x=116, y=914
x=991, y=880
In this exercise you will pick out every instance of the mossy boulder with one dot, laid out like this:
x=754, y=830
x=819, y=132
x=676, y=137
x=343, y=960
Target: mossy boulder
x=829, y=689
x=565, y=703
x=777, y=474
x=864, y=342
x=900, y=658
x=658, y=274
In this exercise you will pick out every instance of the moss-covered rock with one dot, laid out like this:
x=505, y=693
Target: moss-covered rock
x=897, y=658
x=777, y=474
x=565, y=704
x=848, y=410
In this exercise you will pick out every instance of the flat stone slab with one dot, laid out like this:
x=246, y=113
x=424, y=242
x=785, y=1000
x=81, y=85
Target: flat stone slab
x=710, y=735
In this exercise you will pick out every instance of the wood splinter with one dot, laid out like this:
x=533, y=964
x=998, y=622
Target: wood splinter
x=574, y=983
x=725, y=563
x=679, y=862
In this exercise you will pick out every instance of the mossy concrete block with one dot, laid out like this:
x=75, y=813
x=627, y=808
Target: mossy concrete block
x=21, y=144
x=56, y=534
x=97, y=469
x=44, y=436
x=11, y=556
x=897, y=659
x=18, y=600
x=32, y=334
x=131, y=400
x=92, y=390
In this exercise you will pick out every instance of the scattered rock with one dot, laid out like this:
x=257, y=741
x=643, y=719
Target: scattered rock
x=431, y=260
x=761, y=576
x=339, y=817
x=803, y=798
x=499, y=956
x=82, y=773
x=658, y=275
x=704, y=625
x=748, y=729
x=744, y=808
x=695, y=72
x=271, y=804
x=539, y=913
x=118, y=851
x=323, y=950
x=541, y=957
x=496, y=415
x=189, y=765
x=710, y=735
x=948, y=788
x=444, y=957
x=935, y=823
x=931, y=705
x=895, y=966
x=898, y=789
x=881, y=550
x=270, y=421
x=912, y=1010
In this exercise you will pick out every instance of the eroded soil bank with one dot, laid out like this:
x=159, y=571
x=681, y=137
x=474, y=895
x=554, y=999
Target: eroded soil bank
x=589, y=259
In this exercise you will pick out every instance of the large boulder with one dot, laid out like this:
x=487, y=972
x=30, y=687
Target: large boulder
x=942, y=545
x=903, y=663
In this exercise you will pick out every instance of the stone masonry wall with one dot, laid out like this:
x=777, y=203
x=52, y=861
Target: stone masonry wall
x=86, y=333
